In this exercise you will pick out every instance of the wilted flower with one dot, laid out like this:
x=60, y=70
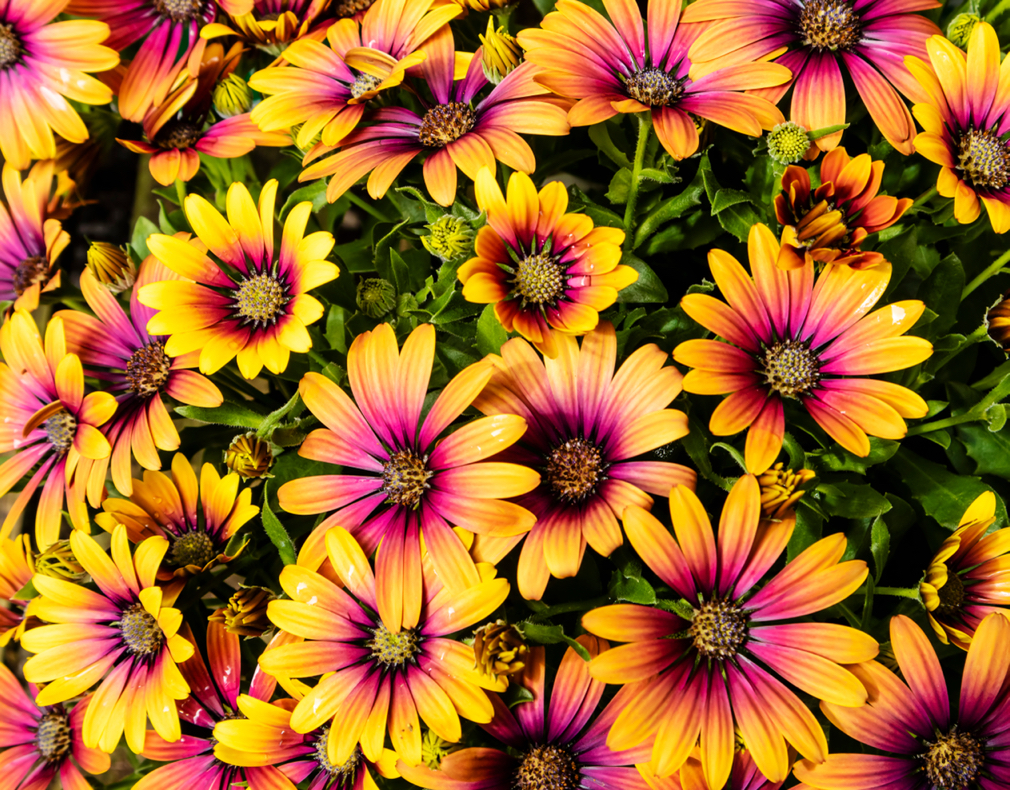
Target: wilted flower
x=112, y=266
x=998, y=321
x=249, y=456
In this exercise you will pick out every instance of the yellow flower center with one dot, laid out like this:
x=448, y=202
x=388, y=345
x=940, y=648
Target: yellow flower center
x=60, y=430
x=954, y=761
x=53, y=738
x=951, y=594
x=574, y=469
x=29, y=272
x=193, y=548
x=363, y=84
x=984, y=159
x=342, y=774
x=790, y=368
x=405, y=478
x=141, y=633
x=260, y=299
x=148, y=368
x=177, y=134
x=830, y=25
x=718, y=629
x=446, y=123
x=539, y=279
x=178, y=10
x=345, y=9
x=787, y=143
x=654, y=87
x=10, y=46
x=547, y=768
x=393, y=650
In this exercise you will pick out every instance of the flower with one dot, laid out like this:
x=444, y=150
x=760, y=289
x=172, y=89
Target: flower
x=452, y=131
x=52, y=426
x=256, y=305
x=964, y=122
x=117, y=348
x=41, y=741
x=326, y=87
x=910, y=721
x=246, y=612
x=375, y=297
x=384, y=666
x=121, y=637
x=967, y=578
x=31, y=239
x=829, y=223
x=249, y=456
x=961, y=27
x=869, y=38
x=549, y=746
x=791, y=338
x=788, y=143
x=232, y=96
x=399, y=481
x=604, y=66
x=780, y=489
x=501, y=53
x=587, y=424
x=44, y=63
x=16, y=571
x=744, y=775
x=448, y=237
x=499, y=649
x=112, y=266
x=717, y=662
x=547, y=272
x=268, y=24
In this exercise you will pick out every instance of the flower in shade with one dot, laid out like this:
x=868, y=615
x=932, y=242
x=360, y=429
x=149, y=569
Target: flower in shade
x=16, y=570
x=544, y=270
x=791, y=338
x=909, y=719
x=326, y=88
x=816, y=40
x=255, y=302
x=829, y=223
x=116, y=347
x=452, y=130
x=52, y=426
x=174, y=133
x=604, y=66
x=121, y=637
x=384, y=667
x=560, y=746
x=399, y=481
x=30, y=238
x=965, y=120
x=268, y=24
x=720, y=661
x=41, y=742
x=587, y=427
x=969, y=577
x=43, y=64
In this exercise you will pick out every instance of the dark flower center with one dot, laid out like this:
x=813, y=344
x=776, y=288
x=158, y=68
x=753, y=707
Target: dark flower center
x=10, y=46
x=178, y=10
x=654, y=87
x=790, y=368
x=393, y=650
x=984, y=159
x=342, y=775
x=539, y=279
x=52, y=738
x=547, y=768
x=193, y=548
x=951, y=594
x=574, y=469
x=141, y=632
x=718, y=629
x=953, y=761
x=60, y=430
x=177, y=134
x=405, y=478
x=830, y=24
x=363, y=84
x=148, y=368
x=446, y=123
x=345, y=9
x=28, y=272
x=260, y=300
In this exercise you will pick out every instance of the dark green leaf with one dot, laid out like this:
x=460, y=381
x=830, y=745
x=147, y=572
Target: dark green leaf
x=942, y=293
x=943, y=495
x=809, y=528
x=276, y=532
x=880, y=546
x=490, y=333
x=989, y=450
x=315, y=193
x=545, y=634
x=852, y=500
x=647, y=289
x=225, y=414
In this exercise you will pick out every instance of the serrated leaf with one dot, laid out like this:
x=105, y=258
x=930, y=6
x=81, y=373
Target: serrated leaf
x=944, y=495
x=841, y=460
x=990, y=451
x=276, y=532
x=225, y=414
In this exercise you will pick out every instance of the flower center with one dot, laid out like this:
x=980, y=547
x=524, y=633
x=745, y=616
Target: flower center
x=177, y=134
x=951, y=594
x=539, y=279
x=393, y=650
x=547, y=768
x=984, y=158
x=405, y=478
x=193, y=548
x=343, y=774
x=148, y=369
x=574, y=469
x=141, y=632
x=654, y=87
x=260, y=299
x=363, y=84
x=718, y=629
x=52, y=738
x=178, y=10
x=345, y=9
x=790, y=368
x=446, y=123
x=28, y=272
x=60, y=430
x=10, y=46
x=953, y=762
x=830, y=24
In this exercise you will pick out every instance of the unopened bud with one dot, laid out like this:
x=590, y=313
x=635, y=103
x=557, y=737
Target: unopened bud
x=111, y=266
x=448, y=237
x=434, y=749
x=59, y=562
x=246, y=612
x=787, y=142
x=232, y=96
x=376, y=297
x=501, y=54
x=780, y=489
x=248, y=456
x=499, y=649
x=961, y=27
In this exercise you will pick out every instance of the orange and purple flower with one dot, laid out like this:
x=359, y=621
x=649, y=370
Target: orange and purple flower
x=268, y=24
x=16, y=570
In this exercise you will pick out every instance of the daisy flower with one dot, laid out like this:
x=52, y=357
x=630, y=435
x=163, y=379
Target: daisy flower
x=744, y=775
x=453, y=131
x=968, y=578
x=16, y=570
x=31, y=239
x=255, y=302
x=116, y=347
x=965, y=115
x=909, y=719
x=52, y=427
x=268, y=24
x=869, y=39
x=120, y=637
x=400, y=482
x=587, y=425
x=383, y=668
x=545, y=271
x=45, y=63
x=790, y=337
x=718, y=663
x=604, y=66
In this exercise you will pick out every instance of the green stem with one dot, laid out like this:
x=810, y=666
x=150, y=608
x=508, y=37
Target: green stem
x=900, y=592
x=975, y=413
x=929, y=194
x=180, y=191
x=571, y=606
x=644, y=127
x=367, y=207
x=977, y=336
x=989, y=271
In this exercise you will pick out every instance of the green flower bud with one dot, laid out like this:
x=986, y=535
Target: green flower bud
x=434, y=749
x=376, y=297
x=960, y=29
x=448, y=237
x=501, y=53
x=111, y=266
x=787, y=143
x=232, y=96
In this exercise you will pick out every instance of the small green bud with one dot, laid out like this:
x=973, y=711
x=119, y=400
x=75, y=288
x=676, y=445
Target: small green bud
x=232, y=96
x=448, y=237
x=376, y=297
x=961, y=27
x=787, y=143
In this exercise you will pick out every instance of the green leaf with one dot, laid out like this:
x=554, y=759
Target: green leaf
x=725, y=198
x=26, y=593
x=626, y=583
x=942, y=293
x=669, y=209
x=880, y=546
x=809, y=528
x=544, y=634
x=273, y=419
x=648, y=289
x=490, y=333
x=315, y=193
x=276, y=532
x=600, y=135
x=852, y=500
x=990, y=451
x=620, y=186
x=225, y=414
x=141, y=232
x=944, y=495
x=840, y=460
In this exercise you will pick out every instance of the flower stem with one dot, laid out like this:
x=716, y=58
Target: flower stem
x=929, y=194
x=900, y=592
x=546, y=612
x=975, y=413
x=989, y=271
x=367, y=207
x=977, y=336
x=644, y=127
